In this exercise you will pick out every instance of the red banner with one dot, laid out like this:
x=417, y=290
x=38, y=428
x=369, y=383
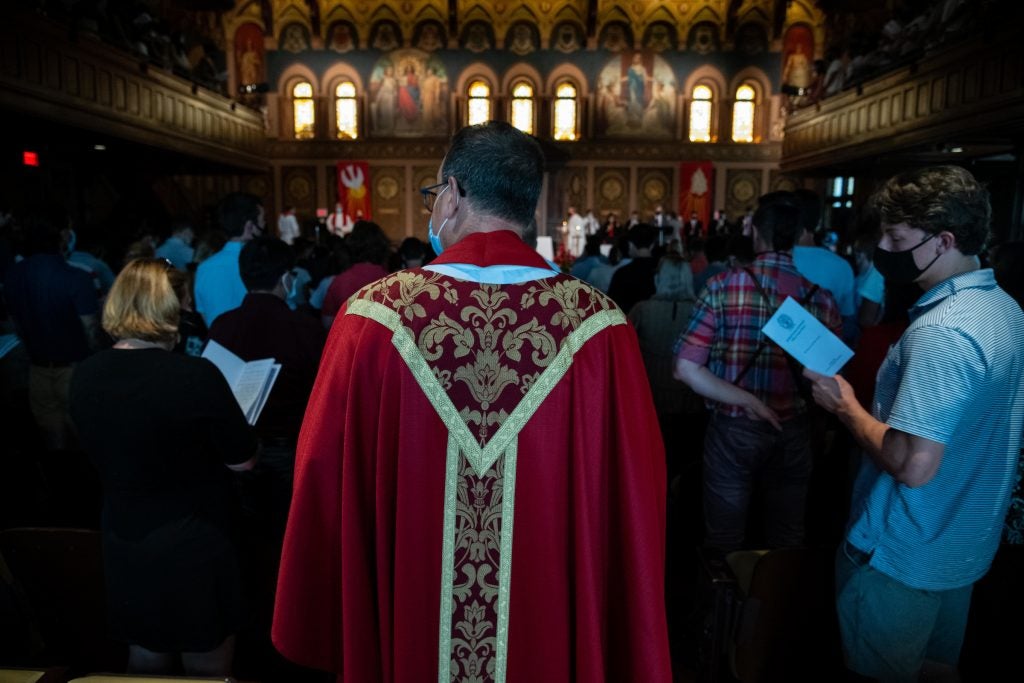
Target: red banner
x=696, y=191
x=353, y=196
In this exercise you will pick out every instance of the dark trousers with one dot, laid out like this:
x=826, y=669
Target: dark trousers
x=739, y=452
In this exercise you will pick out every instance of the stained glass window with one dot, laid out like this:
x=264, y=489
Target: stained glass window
x=522, y=107
x=700, y=114
x=743, y=114
x=565, y=118
x=479, y=110
x=345, y=111
x=305, y=110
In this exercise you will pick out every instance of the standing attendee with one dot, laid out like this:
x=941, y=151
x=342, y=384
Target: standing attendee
x=428, y=484
x=694, y=228
x=55, y=313
x=178, y=247
x=659, y=321
x=942, y=440
x=819, y=264
x=219, y=285
x=576, y=234
x=759, y=428
x=661, y=223
x=368, y=252
x=160, y=428
x=634, y=281
x=338, y=223
x=591, y=226
x=288, y=225
x=265, y=327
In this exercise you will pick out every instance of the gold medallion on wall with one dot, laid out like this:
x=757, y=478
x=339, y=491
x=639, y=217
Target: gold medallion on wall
x=744, y=187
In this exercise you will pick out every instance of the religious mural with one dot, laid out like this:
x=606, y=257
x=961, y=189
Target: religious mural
x=385, y=35
x=751, y=39
x=294, y=38
x=477, y=37
x=616, y=37
x=342, y=37
x=660, y=36
x=703, y=38
x=567, y=37
x=522, y=38
x=409, y=95
x=249, y=58
x=429, y=36
x=798, y=56
x=636, y=96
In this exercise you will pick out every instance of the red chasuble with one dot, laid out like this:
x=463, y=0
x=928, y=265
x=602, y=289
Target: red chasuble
x=479, y=487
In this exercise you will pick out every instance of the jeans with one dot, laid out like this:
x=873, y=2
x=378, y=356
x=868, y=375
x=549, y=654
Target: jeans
x=888, y=628
x=739, y=451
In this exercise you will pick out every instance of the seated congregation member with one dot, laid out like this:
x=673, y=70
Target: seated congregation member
x=163, y=429
x=759, y=426
x=635, y=281
x=265, y=327
x=368, y=251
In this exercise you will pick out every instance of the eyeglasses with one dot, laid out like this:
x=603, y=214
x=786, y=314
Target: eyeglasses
x=430, y=194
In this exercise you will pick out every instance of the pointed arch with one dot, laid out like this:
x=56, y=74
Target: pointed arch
x=522, y=70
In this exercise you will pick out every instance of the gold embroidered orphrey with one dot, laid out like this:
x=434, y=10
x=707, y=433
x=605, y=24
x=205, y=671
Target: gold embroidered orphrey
x=485, y=373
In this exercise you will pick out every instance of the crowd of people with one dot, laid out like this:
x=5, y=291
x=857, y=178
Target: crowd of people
x=430, y=395
x=154, y=39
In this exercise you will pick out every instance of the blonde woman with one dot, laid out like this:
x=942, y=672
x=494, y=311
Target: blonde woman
x=163, y=430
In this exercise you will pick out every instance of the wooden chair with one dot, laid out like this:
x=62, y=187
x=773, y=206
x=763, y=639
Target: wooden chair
x=772, y=616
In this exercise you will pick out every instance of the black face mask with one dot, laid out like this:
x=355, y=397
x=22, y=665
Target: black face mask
x=899, y=267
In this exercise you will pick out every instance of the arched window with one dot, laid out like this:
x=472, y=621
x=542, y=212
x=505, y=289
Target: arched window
x=565, y=119
x=700, y=114
x=700, y=117
x=479, y=105
x=304, y=110
x=522, y=107
x=345, y=111
x=743, y=114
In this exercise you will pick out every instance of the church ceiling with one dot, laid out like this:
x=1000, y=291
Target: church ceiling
x=592, y=23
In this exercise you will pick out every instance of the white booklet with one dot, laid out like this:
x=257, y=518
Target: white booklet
x=250, y=382
x=802, y=336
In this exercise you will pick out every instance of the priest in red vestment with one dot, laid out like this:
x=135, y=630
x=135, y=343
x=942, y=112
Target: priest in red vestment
x=480, y=479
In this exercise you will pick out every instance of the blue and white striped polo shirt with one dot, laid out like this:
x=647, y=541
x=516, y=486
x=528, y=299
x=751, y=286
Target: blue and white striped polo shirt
x=954, y=377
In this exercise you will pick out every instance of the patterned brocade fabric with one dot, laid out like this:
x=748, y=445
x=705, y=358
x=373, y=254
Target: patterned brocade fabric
x=486, y=356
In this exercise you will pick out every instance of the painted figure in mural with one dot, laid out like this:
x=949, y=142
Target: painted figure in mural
x=431, y=98
x=658, y=38
x=477, y=37
x=383, y=108
x=409, y=104
x=250, y=68
x=341, y=38
x=636, y=79
x=522, y=39
x=295, y=39
x=614, y=38
x=660, y=113
x=797, y=71
x=567, y=38
x=386, y=38
x=429, y=38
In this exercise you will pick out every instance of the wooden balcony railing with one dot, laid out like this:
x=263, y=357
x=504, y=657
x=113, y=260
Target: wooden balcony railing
x=95, y=86
x=973, y=90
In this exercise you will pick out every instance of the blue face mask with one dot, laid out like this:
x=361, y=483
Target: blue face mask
x=435, y=238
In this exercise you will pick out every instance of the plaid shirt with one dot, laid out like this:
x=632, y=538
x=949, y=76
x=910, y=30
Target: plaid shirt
x=725, y=330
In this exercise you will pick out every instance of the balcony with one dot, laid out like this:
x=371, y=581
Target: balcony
x=93, y=86
x=971, y=93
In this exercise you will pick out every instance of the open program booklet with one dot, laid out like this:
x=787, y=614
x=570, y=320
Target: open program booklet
x=250, y=382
